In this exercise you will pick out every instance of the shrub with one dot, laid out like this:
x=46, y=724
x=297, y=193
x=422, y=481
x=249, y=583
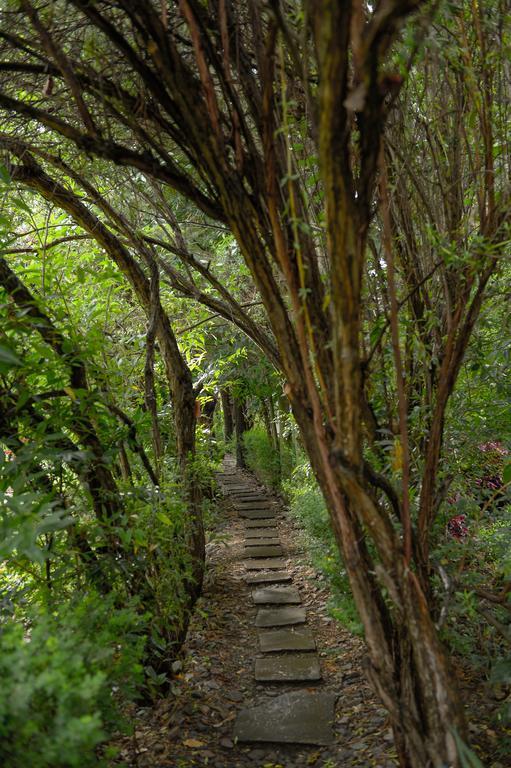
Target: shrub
x=272, y=467
x=308, y=507
x=61, y=677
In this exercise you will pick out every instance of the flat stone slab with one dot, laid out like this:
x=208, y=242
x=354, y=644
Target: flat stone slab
x=292, y=639
x=264, y=564
x=268, y=522
x=273, y=542
x=272, y=577
x=299, y=717
x=277, y=596
x=288, y=668
x=257, y=514
x=260, y=551
x=254, y=491
x=262, y=533
x=250, y=496
x=279, y=617
x=261, y=504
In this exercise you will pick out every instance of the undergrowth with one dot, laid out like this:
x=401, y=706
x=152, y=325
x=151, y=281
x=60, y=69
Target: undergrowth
x=272, y=467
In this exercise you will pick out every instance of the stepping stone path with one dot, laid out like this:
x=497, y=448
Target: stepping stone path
x=271, y=577
x=261, y=533
x=257, y=514
x=289, y=654
x=289, y=639
x=299, y=717
x=277, y=596
x=268, y=523
x=263, y=565
x=280, y=617
x=262, y=551
x=289, y=667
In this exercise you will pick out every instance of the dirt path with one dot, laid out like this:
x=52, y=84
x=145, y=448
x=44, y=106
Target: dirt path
x=194, y=726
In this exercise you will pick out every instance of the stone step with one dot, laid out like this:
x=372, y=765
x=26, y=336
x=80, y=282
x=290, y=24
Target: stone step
x=264, y=564
x=261, y=533
x=299, y=717
x=257, y=514
x=280, y=617
x=264, y=504
x=261, y=504
x=260, y=551
x=272, y=577
x=250, y=496
x=277, y=596
x=250, y=501
x=288, y=668
x=274, y=541
x=292, y=639
x=268, y=522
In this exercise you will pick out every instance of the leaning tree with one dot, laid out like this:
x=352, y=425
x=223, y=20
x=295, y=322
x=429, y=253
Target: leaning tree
x=270, y=117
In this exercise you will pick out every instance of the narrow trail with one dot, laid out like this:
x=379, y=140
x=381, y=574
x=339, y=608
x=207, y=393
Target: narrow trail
x=268, y=678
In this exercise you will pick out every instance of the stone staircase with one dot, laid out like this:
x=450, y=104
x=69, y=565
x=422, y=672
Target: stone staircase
x=287, y=650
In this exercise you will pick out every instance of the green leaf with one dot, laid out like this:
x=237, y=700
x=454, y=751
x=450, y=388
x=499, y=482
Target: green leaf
x=8, y=356
x=506, y=474
x=468, y=758
x=54, y=522
x=21, y=205
x=4, y=174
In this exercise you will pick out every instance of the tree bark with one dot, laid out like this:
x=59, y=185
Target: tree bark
x=240, y=427
x=225, y=396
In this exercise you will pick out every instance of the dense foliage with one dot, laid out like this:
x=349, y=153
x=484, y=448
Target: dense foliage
x=299, y=211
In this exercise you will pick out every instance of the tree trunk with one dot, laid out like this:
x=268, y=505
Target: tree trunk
x=240, y=427
x=406, y=663
x=208, y=412
x=225, y=397
x=178, y=374
x=273, y=437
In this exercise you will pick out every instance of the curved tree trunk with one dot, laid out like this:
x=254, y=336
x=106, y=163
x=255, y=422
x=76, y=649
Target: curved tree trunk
x=178, y=374
x=405, y=663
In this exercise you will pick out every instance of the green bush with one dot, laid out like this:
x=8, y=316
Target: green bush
x=308, y=507
x=271, y=467
x=61, y=677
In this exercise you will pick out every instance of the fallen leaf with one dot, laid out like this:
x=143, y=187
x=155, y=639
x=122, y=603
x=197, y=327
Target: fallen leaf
x=193, y=743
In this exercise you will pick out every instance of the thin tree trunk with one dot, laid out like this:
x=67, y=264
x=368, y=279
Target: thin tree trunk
x=225, y=397
x=240, y=427
x=406, y=663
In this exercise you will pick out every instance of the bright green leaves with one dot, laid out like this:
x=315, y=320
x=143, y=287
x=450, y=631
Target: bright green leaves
x=24, y=518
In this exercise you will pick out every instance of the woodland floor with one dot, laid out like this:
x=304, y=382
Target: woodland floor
x=193, y=725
